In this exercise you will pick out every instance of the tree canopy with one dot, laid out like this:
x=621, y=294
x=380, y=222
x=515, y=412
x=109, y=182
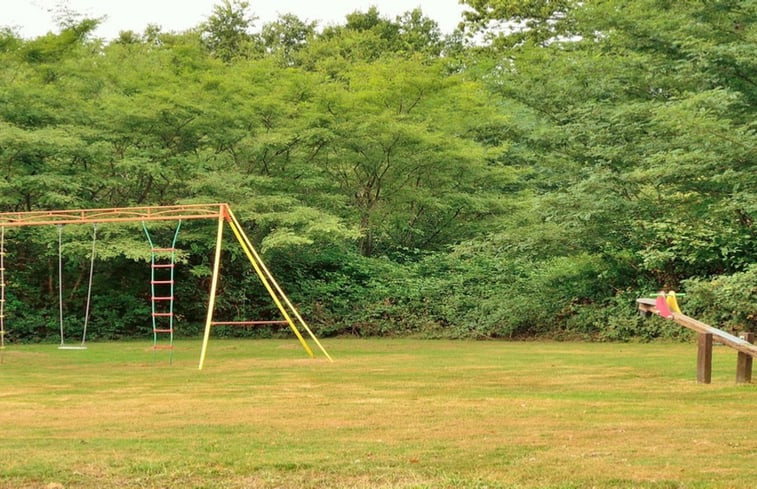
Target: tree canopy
x=533, y=180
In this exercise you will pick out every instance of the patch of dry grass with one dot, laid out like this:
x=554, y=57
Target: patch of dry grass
x=387, y=414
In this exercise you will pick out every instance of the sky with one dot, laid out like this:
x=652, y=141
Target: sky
x=31, y=18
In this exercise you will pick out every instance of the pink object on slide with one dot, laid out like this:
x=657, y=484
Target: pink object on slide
x=662, y=306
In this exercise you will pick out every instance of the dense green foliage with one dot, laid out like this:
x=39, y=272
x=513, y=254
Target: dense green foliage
x=398, y=180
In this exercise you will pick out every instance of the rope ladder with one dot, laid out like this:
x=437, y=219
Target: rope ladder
x=162, y=281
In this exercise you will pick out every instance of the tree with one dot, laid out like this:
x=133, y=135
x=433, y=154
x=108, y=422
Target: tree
x=510, y=23
x=635, y=138
x=419, y=33
x=368, y=35
x=226, y=33
x=595, y=151
x=286, y=36
x=399, y=140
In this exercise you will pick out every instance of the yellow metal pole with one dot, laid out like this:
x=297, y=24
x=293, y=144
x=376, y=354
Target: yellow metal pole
x=247, y=249
x=278, y=288
x=213, y=289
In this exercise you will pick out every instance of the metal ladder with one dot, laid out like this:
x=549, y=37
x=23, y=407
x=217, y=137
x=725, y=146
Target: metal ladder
x=162, y=280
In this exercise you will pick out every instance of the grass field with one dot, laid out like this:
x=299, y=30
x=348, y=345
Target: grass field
x=385, y=414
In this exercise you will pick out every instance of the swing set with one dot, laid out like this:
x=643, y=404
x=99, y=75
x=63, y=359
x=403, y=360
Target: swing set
x=162, y=265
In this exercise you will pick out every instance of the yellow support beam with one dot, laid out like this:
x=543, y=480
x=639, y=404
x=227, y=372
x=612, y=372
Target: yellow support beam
x=213, y=289
x=279, y=290
x=247, y=247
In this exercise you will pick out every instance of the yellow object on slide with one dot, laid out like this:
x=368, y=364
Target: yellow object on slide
x=673, y=302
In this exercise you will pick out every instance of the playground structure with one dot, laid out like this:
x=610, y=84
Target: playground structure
x=666, y=306
x=220, y=211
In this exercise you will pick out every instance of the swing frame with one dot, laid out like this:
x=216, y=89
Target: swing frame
x=87, y=308
x=222, y=213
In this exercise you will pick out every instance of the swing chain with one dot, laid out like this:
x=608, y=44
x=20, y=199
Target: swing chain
x=89, y=288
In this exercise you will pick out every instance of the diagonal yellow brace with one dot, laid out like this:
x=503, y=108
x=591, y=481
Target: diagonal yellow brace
x=246, y=246
x=273, y=281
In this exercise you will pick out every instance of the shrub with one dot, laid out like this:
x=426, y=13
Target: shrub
x=728, y=301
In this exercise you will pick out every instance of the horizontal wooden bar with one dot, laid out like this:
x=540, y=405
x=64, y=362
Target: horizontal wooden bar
x=717, y=334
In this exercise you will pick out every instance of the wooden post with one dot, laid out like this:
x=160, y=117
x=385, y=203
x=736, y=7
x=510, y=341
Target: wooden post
x=704, y=358
x=744, y=362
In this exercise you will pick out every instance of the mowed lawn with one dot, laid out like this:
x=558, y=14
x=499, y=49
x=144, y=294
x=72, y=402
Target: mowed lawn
x=388, y=413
